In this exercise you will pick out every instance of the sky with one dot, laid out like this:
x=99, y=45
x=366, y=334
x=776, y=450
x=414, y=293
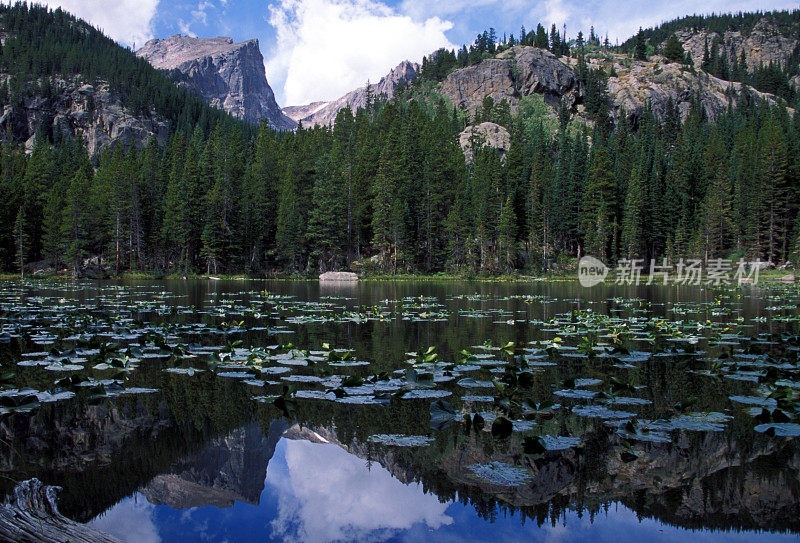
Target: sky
x=321, y=49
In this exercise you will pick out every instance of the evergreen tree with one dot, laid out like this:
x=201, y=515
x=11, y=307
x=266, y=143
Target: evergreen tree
x=640, y=47
x=632, y=228
x=673, y=50
x=290, y=227
x=216, y=228
x=21, y=240
x=773, y=192
x=507, y=230
x=716, y=212
x=77, y=220
x=598, y=224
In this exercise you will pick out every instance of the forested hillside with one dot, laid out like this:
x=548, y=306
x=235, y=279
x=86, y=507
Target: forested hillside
x=42, y=49
x=388, y=187
x=760, y=49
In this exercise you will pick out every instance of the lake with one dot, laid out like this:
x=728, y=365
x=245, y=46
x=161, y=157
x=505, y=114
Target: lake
x=194, y=410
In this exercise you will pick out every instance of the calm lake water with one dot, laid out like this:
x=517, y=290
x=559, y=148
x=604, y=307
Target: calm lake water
x=297, y=411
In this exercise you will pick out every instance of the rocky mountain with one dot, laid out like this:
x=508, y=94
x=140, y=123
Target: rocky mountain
x=228, y=75
x=523, y=71
x=517, y=72
x=93, y=114
x=298, y=113
x=324, y=113
x=762, y=45
x=62, y=78
x=656, y=82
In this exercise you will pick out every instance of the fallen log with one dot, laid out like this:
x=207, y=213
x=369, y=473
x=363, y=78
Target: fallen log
x=30, y=514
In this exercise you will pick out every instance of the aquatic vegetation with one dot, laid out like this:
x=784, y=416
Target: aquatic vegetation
x=398, y=440
x=426, y=378
x=501, y=474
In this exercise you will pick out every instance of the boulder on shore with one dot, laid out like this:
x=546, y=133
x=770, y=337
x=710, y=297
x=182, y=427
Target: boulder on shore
x=338, y=276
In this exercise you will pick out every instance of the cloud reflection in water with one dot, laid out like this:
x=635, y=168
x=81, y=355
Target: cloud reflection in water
x=326, y=494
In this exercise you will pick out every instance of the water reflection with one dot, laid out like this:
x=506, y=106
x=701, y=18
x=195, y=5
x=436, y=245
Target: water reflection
x=202, y=460
x=227, y=470
x=131, y=520
x=326, y=494
x=317, y=490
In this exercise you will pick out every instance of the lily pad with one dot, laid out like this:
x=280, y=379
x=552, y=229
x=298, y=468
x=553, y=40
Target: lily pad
x=755, y=400
x=600, y=412
x=501, y=474
x=399, y=440
x=576, y=394
x=782, y=429
x=420, y=393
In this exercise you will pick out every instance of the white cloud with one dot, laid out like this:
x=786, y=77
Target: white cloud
x=620, y=18
x=327, y=494
x=126, y=21
x=556, y=12
x=186, y=28
x=201, y=13
x=130, y=520
x=425, y=8
x=327, y=48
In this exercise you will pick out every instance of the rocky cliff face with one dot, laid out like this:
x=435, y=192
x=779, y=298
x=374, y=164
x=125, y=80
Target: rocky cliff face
x=518, y=72
x=763, y=45
x=92, y=114
x=656, y=82
x=489, y=134
x=324, y=113
x=523, y=71
x=228, y=75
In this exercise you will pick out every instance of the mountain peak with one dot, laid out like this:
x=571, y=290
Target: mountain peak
x=227, y=74
x=171, y=52
x=324, y=113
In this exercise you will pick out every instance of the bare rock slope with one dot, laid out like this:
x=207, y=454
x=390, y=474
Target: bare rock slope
x=763, y=45
x=518, y=72
x=522, y=71
x=92, y=114
x=489, y=134
x=228, y=75
x=324, y=113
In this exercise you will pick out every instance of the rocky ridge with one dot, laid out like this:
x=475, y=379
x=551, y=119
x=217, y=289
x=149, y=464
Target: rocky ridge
x=93, y=114
x=324, y=113
x=518, y=72
x=228, y=75
x=523, y=71
x=656, y=82
x=761, y=46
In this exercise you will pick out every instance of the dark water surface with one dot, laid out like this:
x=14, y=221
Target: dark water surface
x=634, y=413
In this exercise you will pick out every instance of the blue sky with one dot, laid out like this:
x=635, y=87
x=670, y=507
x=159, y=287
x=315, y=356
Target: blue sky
x=321, y=49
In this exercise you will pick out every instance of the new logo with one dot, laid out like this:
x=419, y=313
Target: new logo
x=591, y=271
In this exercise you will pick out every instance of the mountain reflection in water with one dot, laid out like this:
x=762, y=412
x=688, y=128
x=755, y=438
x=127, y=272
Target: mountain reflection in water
x=207, y=457
x=301, y=484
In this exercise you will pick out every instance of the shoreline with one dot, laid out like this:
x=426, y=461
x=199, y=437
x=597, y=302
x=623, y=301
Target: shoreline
x=772, y=276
